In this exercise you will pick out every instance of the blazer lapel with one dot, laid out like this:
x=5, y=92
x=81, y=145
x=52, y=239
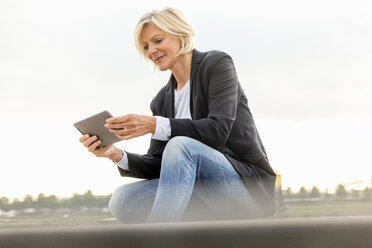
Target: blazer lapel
x=196, y=59
x=169, y=98
x=169, y=94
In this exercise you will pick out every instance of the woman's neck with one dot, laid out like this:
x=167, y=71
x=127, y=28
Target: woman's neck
x=181, y=69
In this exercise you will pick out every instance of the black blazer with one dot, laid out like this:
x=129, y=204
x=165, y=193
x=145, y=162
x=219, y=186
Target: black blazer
x=220, y=118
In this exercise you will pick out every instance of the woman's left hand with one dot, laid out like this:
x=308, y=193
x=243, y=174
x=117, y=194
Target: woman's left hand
x=130, y=126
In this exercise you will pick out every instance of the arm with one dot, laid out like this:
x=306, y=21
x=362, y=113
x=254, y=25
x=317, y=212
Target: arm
x=145, y=166
x=223, y=91
x=162, y=132
x=132, y=125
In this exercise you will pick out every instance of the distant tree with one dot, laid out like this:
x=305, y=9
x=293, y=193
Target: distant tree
x=4, y=204
x=77, y=201
x=65, y=203
x=52, y=201
x=28, y=202
x=102, y=201
x=289, y=192
x=327, y=195
x=89, y=199
x=367, y=193
x=341, y=191
x=41, y=201
x=315, y=192
x=16, y=204
x=355, y=193
x=302, y=193
x=47, y=201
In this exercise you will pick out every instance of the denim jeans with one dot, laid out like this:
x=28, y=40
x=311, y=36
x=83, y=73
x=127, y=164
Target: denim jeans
x=196, y=182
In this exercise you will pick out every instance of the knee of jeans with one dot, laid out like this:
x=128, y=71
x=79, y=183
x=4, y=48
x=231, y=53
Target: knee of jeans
x=176, y=144
x=117, y=204
x=112, y=204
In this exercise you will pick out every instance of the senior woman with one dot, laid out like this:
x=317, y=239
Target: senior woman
x=206, y=159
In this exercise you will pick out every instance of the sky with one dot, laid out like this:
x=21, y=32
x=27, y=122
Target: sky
x=304, y=66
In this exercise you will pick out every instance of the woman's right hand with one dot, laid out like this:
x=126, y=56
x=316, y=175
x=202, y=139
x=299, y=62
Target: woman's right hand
x=109, y=151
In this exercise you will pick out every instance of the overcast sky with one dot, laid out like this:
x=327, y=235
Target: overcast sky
x=304, y=65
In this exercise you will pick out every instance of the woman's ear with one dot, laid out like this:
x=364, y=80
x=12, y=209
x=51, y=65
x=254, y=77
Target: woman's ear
x=182, y=41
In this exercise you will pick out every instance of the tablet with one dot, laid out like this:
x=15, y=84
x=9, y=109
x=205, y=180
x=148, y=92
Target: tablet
x=94, y=125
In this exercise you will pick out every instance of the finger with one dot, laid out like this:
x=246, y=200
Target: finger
x=126, y=137
x=114, y=126
x=119, y=119
x=120, y=131
x=116, y=131
x=94, y=145
x=84, y=138
x=89, y=141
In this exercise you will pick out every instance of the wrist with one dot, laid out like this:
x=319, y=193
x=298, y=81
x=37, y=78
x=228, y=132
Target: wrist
x=116, y=156
x=153, y=124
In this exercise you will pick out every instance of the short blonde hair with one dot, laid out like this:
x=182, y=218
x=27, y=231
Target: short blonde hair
x=171, y=21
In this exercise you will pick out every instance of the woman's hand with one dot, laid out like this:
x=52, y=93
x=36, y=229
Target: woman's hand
x=109, y=151
x=130, y=126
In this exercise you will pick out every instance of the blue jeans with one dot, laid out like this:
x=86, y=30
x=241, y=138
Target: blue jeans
x=196, y=182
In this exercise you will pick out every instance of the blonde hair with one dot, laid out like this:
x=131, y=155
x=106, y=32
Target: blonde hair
x=171, y=21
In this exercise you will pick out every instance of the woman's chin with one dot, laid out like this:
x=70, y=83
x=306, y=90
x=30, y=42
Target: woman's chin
x=162, y=68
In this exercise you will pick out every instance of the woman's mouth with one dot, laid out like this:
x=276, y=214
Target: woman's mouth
x=156, y=61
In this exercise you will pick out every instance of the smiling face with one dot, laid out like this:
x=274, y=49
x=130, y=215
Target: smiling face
x=160, y=47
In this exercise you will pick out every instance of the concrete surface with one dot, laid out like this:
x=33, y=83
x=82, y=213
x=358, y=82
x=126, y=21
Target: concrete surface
x=353, y=232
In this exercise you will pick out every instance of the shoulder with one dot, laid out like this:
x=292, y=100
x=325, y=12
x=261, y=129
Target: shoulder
x=211, y=57
x=159, y=101
x=211, y=61
x=161, y=92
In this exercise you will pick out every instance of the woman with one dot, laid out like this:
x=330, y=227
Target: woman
x=206, y=159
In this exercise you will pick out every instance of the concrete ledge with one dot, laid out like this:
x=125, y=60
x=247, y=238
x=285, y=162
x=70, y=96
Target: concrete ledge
x=297, y=233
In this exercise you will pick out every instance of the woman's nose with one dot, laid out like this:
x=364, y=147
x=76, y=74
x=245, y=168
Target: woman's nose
x=152, y=50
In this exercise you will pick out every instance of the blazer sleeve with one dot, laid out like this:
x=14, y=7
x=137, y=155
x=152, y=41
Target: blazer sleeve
x=145, y=166
x=223, y=89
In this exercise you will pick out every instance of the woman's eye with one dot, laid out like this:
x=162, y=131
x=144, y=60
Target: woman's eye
x=158, y=41
x=145, y=47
